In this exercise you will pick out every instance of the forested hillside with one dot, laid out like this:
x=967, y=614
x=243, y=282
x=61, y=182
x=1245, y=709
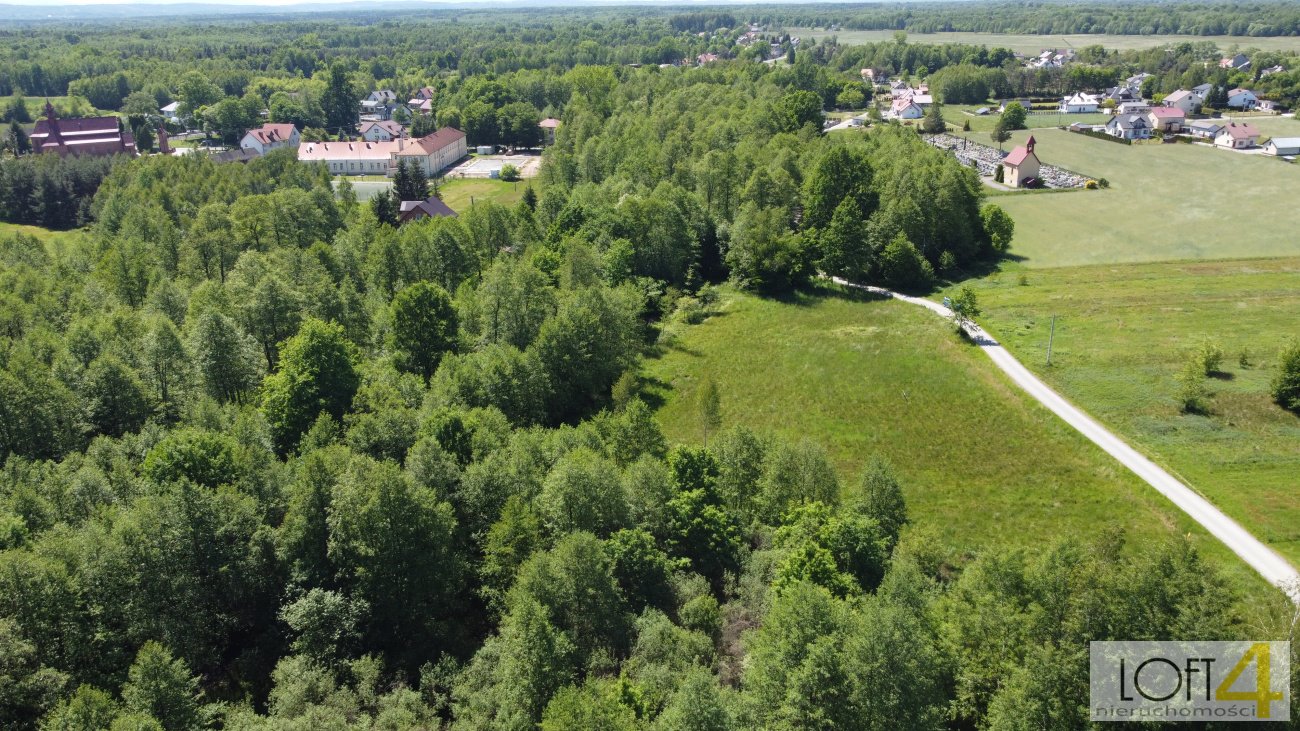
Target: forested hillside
x=271, y=462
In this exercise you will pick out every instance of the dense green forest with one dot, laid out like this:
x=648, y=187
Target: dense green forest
x=1053, y=17
x=271, y=462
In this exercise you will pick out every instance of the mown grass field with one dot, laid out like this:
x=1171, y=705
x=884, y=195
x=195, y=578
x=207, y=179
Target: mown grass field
x=981, y=462
x=1025, y=43
x=955, y=115
x=1122, y=332
x=460, y=193
x=1165, y=203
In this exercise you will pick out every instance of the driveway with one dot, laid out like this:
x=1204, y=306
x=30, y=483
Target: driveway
x=1275, y=569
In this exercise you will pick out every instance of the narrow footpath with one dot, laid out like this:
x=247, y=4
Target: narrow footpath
x=1264, y=560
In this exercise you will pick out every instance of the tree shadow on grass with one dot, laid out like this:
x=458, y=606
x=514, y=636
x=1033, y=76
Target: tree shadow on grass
x=1222, y=375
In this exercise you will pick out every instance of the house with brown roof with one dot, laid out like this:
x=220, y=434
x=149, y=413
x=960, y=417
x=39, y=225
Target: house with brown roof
x=1021, y=165
x=415, y=210
x=1237, y=136
x=81, y=136
x=270, y=137
x=433, y=152
x=549, y=125
x=381, y=131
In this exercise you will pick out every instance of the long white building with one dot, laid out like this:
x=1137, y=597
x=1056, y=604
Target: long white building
x=432, y=153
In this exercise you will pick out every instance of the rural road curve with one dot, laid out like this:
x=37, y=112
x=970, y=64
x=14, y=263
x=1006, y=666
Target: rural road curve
x=1275, y=569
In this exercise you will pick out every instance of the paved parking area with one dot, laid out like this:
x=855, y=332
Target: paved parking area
x=482, y=166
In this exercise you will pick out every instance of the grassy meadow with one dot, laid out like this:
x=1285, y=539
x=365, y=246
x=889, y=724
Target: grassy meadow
x=1122, y=332
x=44, y=234
x=1165, y=203
x=1028, y=43
x=460, y=193
x=981, y=461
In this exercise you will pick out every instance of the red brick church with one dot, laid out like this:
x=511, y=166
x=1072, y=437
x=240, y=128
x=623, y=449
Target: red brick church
x=83, y=136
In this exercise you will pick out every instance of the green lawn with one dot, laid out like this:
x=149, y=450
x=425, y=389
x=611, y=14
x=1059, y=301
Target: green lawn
x=1165, y=203
x=461, y=193
x=1035, y=43
x=955, y=115
x=981, y=461
x=44, y=234
x=1121, y=334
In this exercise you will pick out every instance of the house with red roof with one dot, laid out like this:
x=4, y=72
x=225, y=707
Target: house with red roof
x=1237, y=136
x=81, y=136
x=1166, y=119
x=1021, y=165
x=270, y=137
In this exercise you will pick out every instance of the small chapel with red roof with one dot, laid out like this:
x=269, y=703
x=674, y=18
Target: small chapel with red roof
x=1021, y=165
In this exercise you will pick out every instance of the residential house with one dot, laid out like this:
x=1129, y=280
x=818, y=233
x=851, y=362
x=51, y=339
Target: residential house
x=905, y=108
x=269, y=137
x=1283, y=146
x=1239, y=62
x=1206, y=129
x=1135, y=81
x=1166, y=119
x=1188, y=101
x=1133, y=107
x=1272, y=70
x=1237, y=136
x=922, y=99
x=1021, y=165
x=1121, y=94
x=1027, y=104
x=422, y=102
x=899, y=88
x=869, y=75
x=81, y=136
x=1266, y=105
x=379, y=105
x=172, y=112
x=1129, y=127
x=1080, y=103
x=415, y=210
x=549, y=125
x=704, y=58
x=1202, y=90
x=381, y=131
x=1242, y=99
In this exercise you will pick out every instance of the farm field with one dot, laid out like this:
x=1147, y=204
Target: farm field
x=1122, y=333
x=1165, y=203
x=882, y=377
x=1027, y=43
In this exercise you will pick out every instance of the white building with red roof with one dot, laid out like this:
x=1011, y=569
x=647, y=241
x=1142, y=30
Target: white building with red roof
x=1021, y=165
x=432, y=153
x=1237, y=136
x=270, y=137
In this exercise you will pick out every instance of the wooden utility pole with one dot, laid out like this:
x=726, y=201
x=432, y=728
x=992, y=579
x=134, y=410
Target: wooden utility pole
x=1050, y=337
